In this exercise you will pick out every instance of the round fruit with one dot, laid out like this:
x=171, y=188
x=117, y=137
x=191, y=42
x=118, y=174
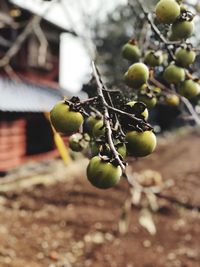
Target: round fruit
x=153, y=58
x=140, y=144
x=102, y=174
x=167, y=11
x=94, y=148
x=78, y=142
x=137, y=75
x=182, y=29
x=174, y=74
x=64, y=120
x=99, y=129
x=185, y=57
x=121, y=149
x=189, y=89
x=172, y=100
x=89, y=124
x=145, y=113
x=150, y=102
x=131, y=52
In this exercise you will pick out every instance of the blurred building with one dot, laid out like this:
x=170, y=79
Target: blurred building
x=28, y=85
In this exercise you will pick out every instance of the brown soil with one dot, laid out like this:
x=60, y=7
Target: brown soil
x=70, y=223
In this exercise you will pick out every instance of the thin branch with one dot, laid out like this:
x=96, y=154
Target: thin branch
x=106, y=117
x=185, y=101
x=191, y=110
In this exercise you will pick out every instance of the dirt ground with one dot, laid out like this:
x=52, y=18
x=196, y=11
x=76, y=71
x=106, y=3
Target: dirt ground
x=71, y=224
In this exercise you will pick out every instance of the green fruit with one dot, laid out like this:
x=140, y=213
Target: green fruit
x=89, y=124
x=94, y=149
x=131, y=52
x=140, y=144
x=64, y=120
x=145, y=113
x=153, y=58
x=103, y=175
x=150, y=102
x=137, y=75
x=167, y=11
x=185, y=57
x=78, y=142
x=99, y=129
x=182, y=29
x=172, y=100
x=174, y=74
x=121, y=149
x=189, y=89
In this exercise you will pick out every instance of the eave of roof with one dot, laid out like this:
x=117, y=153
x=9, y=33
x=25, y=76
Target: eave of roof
x=26, y=97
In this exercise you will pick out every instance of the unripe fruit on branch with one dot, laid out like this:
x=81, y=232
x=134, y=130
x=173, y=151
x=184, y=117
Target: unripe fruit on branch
x=89, y=124
x=150, y=102
x=64, y=120
x=78, y=142
x=131, y=52
x=99, y=129
x=145, y=113
x=137, y=75
x=185, y=57
x=102, y=174
x=182, y=30
x=174, y=74
x=167, y=11
x=172, y=100
x=189, y=89
x=95, y=149
x=153, y=58
x=140, y=144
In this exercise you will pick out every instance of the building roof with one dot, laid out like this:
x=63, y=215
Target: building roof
x=27, y=97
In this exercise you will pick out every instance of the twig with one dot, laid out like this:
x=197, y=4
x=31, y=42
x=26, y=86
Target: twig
x=106, y=117
x=191, y=109
x=185, y=101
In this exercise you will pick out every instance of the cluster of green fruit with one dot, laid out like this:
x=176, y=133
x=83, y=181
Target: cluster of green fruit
x=108, y=132
x=89, y=134
x=171, y=69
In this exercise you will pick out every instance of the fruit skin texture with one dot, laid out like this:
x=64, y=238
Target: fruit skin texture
x=145, y=113
x=121, y=149
x=103, y=175
x=184, y=57
x=189, y=89
x=131, y=52
x=172, y=100
x=149, y=102
x=182, y=30
x=64, y=120
x=153, y=59
x=78, y=142
x=174, y=74
x=167, y=11
x=137, y=75
x=140, y=144
x=98, y=129
x=89, y=124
